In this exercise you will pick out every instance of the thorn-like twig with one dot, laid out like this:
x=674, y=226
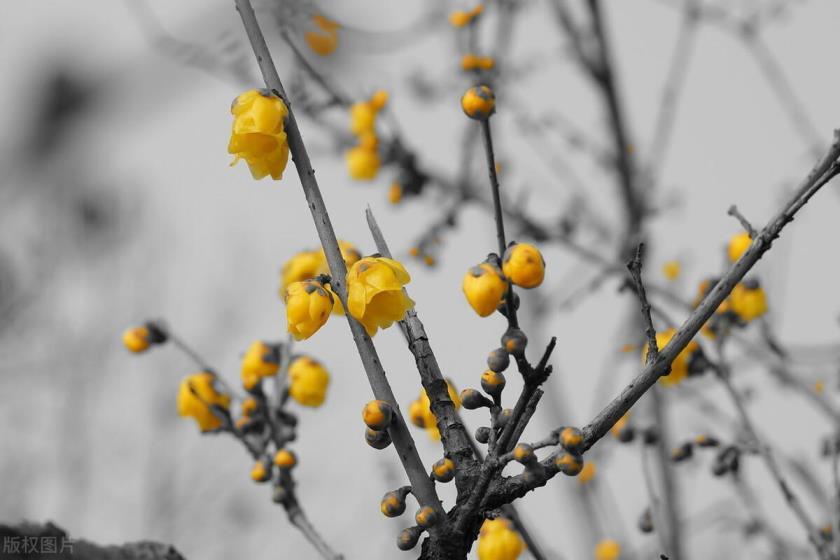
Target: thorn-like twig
x=733, y=211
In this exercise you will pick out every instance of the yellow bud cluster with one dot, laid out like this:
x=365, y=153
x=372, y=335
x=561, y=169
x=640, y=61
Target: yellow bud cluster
x=363, y=159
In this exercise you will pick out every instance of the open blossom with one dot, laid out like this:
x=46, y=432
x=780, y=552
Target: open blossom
x=258, y=135
x=197, y=396
x=309, y=264
x=260, y=360
x=308, y=306
x=497, y=540
x=375, y=295
x=680, y=365
x=308, y=381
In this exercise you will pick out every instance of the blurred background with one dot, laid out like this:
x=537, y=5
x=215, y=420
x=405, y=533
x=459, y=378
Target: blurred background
x=117, y=204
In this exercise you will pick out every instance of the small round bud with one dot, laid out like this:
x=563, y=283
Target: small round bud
x=571, y=438
x=645, y=522
x=478, y=102
x=524, y=453
x=503, y=417
x=443, y=470
x=482, y=434
x=136, y=339
x=569, y=463
x=472, y=399
x=523, y=264
x=682, y=453
x=704, y=440
x=378, y=439
x=408, y=537
x=260, y=472
x=377, y=415
x=279, y=494
x=426, y=517
x=498, y=360
x=493, y=382
x=514, y=341
x=393, y=504
x=285, y=459
x=650, y=436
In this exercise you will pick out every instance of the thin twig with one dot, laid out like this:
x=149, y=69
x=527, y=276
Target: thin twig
x=422, y=486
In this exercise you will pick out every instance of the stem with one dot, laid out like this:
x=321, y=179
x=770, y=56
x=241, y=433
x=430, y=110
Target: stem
x=422, y=486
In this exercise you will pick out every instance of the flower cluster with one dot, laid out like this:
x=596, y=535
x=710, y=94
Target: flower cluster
x=259, y=135
x=310, y=264
x=487, y=284
x=363, y=159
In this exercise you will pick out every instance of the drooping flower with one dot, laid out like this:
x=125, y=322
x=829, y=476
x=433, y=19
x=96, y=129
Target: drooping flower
x=308, y=381
x=260, y=360
x=199, y=398
x=375, y=295
x=362, y=163
x=497, y=540
x=302, y=266
x=523, y=264
x=748, y=300
x=680, y=365
x=485, y=286
x=738, y=245
x=478, y=102
x=607, y=550
x=323, y=40
x=258, y=135
x=308, y=306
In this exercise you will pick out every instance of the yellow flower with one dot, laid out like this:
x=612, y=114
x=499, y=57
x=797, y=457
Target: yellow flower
x=607, y=550
x=738, y=245
x=587, y=473
x=420, y=411
x=748, y=301
x=308, y=381
x=136, y=339
x=523, y=264
x=259, y=472
x=259, y=361
x=478, y=102
x=497, y=540
x=285, y=459
x=362, y=118
x=362, y=163
x=197, y=397
x=671, y=270
x=460, y=18
x=395, y=193
x=308, y=307
x=473, y=62
x=485, y=286
x=258, y=134
x=375, y=293
x=679, y=367
x=377, y=414
x=324, y=39
x=379, y=99
x=303, y=266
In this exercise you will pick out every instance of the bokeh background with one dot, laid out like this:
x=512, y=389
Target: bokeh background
x=117, y=204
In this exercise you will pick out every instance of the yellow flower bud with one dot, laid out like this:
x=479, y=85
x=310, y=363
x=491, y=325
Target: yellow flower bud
x=587, y=473
x=308, y=381
x=748, y=301
x=249, y=406
x=303, y=266
x=671, y=270
x=258, y=135
x=497, y=540
x=259, y=361
x=395, y=193
x=459, y=18
x=571, y=438
x=198, y=397
x=484, y=287
x=362, y=163
x=487, y=63
x=375, y=294
x=260, y=473
x=523, y=265
x=469, y=62
x=416, y=413
x=393, y=503
x=308, y=306
x=136, y=339
x=524, y=453
x=426, y=517
x=607, y=550
x=493, y=382
x=377, y=415
x=378, y=439
x=679, y=367
x=324, y=39
x=285, y=459
x=378, y=99
x=738, y=245
x=443, y=470
x=420, y=411
x=362, y=118
x=478, y=102
x=569, y=463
